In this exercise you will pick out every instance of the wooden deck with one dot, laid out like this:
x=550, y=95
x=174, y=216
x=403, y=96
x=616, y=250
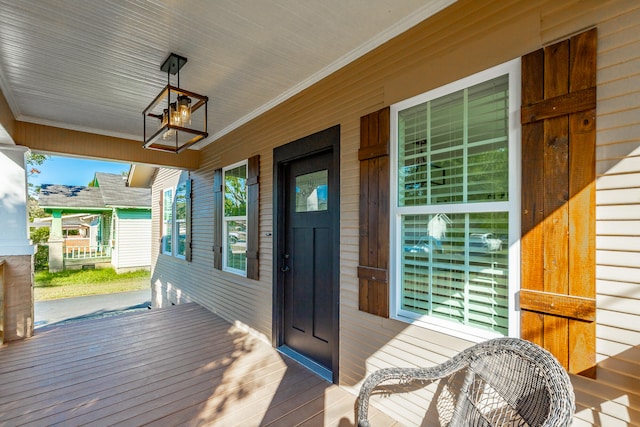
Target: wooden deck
x=180, y=365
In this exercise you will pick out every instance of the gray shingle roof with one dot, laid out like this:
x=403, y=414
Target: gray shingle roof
x=112, y=191
x=115, y=192
x=71, y=196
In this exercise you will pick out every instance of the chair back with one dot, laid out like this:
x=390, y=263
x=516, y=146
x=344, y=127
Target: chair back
x=507, y=382
x=513, y=382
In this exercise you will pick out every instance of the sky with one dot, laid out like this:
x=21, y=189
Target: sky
x=73, y=171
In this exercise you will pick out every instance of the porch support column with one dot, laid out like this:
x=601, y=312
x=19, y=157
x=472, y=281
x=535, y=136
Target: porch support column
x=56, y=243
x=16, y=249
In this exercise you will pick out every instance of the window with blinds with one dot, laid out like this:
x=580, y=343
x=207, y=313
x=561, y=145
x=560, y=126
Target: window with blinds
x=235, y=218
x=167, y=221
x=455, y=172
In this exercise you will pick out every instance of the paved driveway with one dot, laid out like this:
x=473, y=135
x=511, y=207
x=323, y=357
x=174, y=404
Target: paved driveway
x=73, y=309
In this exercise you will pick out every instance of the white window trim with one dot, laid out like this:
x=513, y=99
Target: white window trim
x=174, y=223
x=440, y=325
x=225, y=219
x=176, y=233
x=164, y=223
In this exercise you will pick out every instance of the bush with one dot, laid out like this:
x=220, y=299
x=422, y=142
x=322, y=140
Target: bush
x=40, y=236
x=41, y=258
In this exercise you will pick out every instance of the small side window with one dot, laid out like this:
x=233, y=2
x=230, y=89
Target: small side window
x=234, y=233
x=167, y=221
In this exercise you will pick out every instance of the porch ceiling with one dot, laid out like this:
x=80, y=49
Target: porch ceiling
x=94, y=65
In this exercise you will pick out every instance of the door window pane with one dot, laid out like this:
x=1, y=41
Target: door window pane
x=312, y=191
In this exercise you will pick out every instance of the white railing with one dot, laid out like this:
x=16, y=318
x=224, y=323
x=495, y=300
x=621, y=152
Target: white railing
x=82, y=252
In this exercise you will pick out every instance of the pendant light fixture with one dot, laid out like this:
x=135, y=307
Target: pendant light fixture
x=176, y=118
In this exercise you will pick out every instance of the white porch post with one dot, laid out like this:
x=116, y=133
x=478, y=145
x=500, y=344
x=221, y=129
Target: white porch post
x=56, y=243
x=15, y=246
x=14, y=239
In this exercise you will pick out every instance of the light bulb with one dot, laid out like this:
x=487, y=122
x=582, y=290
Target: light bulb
x=184, y=109
x=175, y=115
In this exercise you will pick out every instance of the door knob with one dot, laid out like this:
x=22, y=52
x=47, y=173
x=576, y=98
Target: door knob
x=285, y=267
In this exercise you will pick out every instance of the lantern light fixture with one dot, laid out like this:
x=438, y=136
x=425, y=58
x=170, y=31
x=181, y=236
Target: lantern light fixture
x=177, y=118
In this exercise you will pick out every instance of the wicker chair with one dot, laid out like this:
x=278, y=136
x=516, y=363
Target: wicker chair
x=501, y=382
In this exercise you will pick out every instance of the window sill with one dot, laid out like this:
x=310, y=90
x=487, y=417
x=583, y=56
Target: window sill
x=467, y=333
x=238, y=273
x=175, y=257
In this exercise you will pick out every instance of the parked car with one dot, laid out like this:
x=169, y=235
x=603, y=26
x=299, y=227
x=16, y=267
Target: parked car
x=484, y=242
x=425, y=245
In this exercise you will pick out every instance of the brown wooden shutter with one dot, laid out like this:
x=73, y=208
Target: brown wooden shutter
x=557, y=295
x=217, y=219
x=373, y=271
x=253, y=219
x=187, y=249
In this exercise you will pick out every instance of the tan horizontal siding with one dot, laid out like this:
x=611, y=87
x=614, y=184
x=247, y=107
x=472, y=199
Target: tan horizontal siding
x=620, y=274
x=626, y=196
x=612, y=182
x=619, y=340
x=618, y=213
x=618, y=258
x=626, y=242
x=605, y=227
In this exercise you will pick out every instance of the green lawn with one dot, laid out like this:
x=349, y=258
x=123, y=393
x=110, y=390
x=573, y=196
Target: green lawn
x=77, y=283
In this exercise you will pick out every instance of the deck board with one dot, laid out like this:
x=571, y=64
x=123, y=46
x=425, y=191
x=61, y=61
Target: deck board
x=180, y=365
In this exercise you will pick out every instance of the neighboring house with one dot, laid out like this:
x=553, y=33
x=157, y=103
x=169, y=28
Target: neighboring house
x=119, y=233
x=528, y=157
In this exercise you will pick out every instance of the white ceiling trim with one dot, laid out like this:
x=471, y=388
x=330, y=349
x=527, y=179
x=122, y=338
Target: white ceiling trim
x=400, y=27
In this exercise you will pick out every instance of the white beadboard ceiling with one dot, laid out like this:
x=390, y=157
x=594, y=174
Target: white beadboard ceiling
x=94, y=65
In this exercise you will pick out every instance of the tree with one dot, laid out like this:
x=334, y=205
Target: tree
x=235, y=196
x=35, y=159
x=38, y=236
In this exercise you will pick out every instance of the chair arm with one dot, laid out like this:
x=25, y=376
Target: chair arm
x=404, y=375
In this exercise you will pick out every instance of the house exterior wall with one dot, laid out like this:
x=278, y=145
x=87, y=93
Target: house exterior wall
x=465, y=38
x=132, y=250
x=173, y=280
